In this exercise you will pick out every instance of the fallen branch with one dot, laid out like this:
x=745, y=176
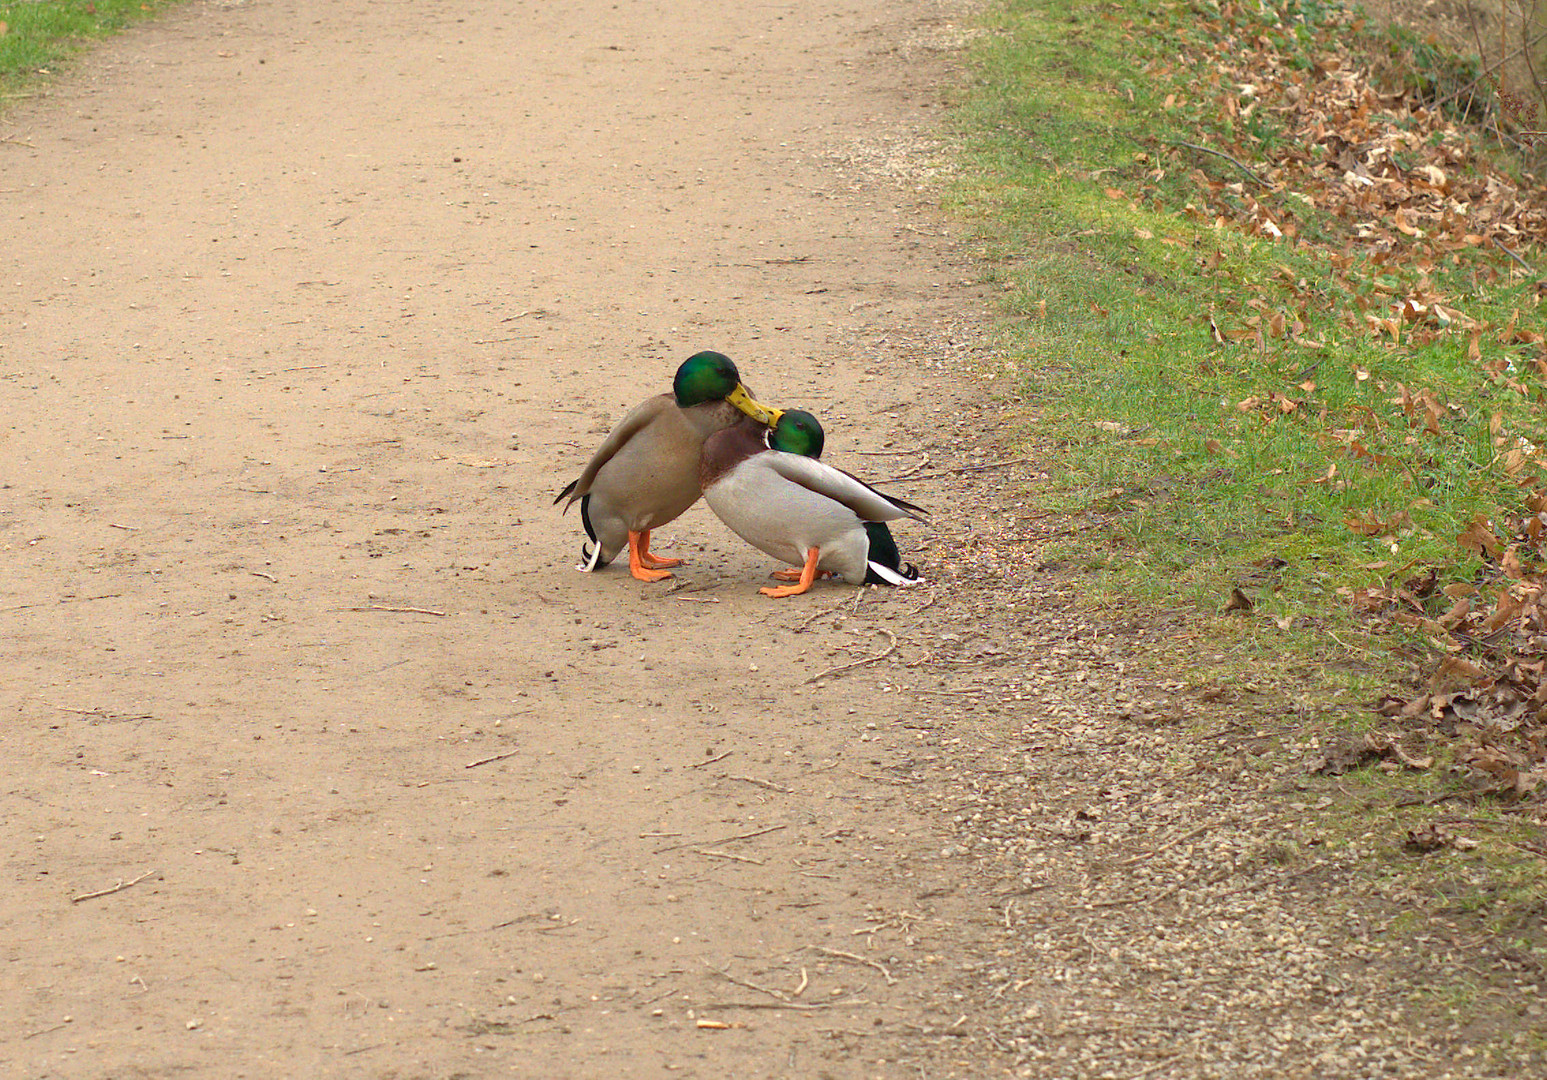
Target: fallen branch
x=955, y=472
x=1199, y=831
x=1528, y=267
x=856, y=958
x=49, y=1030
x=727, y=855
x=711, y=761
x=1435, y=800
x=762, y=784
x=815, y=615
x=1162, y=1063
x=496, y=757
x=119, y=887
x=1221, y=154
x=405, y=610
x=728, y=977
x=722, y=840
x=804, y=1006
x=882, y=655
x=533, y=917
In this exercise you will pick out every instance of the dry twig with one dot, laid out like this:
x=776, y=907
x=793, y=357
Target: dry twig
x=882, y=655
x=728, y=977
x=119, y=887
x=762, y=784
x=803, y=1006
x=1221, y=154
x=496, y=757
x=723, y=839
x=727, y=855
x=955, y=472
x=1528, y=267
x=854, y=957
x=815, y=615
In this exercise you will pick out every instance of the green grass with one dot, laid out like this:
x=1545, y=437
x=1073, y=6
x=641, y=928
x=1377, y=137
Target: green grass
x=1194, y=447
x=1219, y=449
x=40, y=36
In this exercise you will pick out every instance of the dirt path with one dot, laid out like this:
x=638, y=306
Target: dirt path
x=308, y=311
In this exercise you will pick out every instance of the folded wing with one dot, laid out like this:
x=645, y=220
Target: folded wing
x=638, y=418
x=866, y=502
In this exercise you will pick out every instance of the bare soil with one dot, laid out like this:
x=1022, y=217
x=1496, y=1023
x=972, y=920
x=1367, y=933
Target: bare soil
x=306, y=313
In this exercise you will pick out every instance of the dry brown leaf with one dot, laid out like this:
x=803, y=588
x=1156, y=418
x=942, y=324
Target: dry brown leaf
x=1427, y=838
x=1454, y=673
x=1478, y=538
x=1389, y=747
x=1369, y=523
x=1458, y=611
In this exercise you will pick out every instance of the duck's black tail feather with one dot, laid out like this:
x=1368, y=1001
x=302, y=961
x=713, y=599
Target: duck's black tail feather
x=566, y=492
x=885, y=561
x=591, y=557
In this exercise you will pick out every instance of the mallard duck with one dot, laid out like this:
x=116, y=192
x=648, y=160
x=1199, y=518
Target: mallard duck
x=767, y=485
x=645, y=473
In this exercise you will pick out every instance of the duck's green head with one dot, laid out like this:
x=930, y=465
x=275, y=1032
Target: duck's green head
x=712, y=376
x=797, y=432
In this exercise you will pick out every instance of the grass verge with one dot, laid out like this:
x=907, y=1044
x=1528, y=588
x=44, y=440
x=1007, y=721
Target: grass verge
x=1281, y=346
x=1273, y=293
x=37, y=37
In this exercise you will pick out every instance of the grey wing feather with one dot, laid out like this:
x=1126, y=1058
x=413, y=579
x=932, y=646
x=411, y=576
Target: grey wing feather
x=637, y=419
x=866, y=502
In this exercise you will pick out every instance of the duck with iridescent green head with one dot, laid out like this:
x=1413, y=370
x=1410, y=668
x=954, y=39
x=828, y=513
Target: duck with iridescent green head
x=766, y=484
x=645, y=473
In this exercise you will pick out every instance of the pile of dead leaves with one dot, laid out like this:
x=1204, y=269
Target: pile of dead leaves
x=1322, y=154
x=1388, y=170
x=1485, y=694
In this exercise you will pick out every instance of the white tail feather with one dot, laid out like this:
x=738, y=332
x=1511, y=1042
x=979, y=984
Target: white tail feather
x=892, y=577
x=591, y=560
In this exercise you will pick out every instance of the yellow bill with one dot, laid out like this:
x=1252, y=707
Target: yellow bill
x=761, y=413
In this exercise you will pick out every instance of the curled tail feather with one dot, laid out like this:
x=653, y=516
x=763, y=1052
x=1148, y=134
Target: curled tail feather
x=884, y=565
x=591, y=557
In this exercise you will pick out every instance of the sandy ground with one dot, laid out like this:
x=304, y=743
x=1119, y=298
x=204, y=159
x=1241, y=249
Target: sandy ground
x=307, y=310
x=306, y=313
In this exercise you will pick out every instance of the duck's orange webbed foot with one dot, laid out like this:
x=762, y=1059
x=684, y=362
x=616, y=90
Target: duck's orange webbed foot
x=649, y=561
x=807, y=576
x=642, y=564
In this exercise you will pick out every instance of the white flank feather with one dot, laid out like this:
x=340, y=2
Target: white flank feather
x=892, y=577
